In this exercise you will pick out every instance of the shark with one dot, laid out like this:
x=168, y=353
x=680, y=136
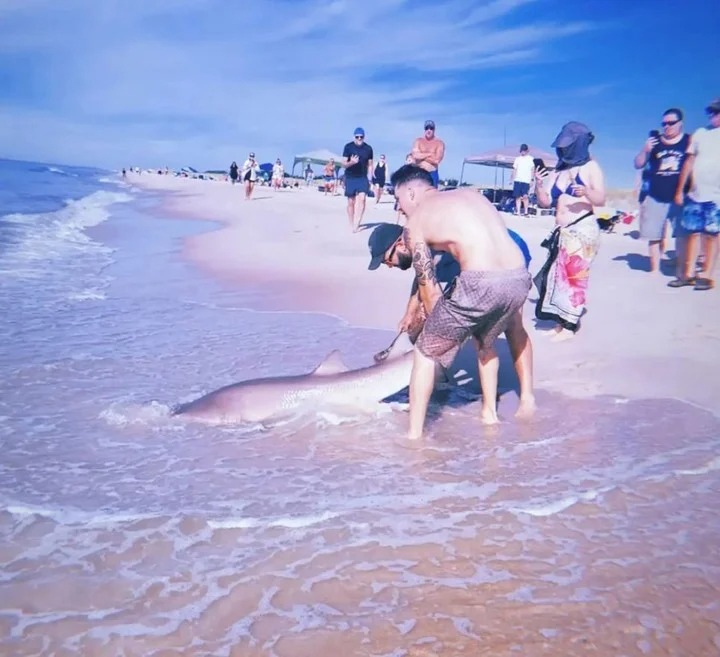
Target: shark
x=330, y=385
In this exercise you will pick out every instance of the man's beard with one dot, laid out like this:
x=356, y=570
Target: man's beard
x=404, y=261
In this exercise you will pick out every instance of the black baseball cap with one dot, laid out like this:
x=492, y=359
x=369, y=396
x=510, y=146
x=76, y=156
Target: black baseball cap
x=380, y=240
x=429, y=125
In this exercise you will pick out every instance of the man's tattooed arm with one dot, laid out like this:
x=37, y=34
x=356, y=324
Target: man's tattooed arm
x=424, y=265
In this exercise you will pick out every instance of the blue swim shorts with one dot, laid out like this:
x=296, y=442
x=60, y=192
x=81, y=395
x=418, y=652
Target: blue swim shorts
x=699, y=217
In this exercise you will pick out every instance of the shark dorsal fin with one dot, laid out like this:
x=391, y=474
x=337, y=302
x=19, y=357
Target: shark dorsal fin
x=333, y=364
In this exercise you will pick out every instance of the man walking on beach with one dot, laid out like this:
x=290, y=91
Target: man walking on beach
x=428, y=151
x=384, y=242
x=358, y=165
x=487, y=295
x=521, y=177
x=661, y=160
x=701, y=208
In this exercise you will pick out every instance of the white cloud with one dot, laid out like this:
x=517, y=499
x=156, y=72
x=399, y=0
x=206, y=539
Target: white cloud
x=200, y=83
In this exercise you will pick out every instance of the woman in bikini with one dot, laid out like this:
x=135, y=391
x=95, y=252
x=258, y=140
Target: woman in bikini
x=577, y=186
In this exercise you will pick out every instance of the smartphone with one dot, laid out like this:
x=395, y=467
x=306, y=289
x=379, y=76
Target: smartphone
x=655, y=134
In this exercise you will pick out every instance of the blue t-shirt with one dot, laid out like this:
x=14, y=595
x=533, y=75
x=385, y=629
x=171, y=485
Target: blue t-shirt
x=364, y=152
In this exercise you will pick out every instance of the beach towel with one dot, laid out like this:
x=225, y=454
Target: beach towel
x=480, y=304
x=563, y=280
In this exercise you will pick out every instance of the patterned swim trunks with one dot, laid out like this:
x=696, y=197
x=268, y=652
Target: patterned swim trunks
x=481, y=305
x=700, y=218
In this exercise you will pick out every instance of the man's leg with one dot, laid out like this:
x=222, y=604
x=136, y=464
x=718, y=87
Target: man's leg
x=488, y=366
x=710, y=250
x=522, y=355
x=351, y=211
x=360, y=208
x=654, y=253
x=518, y=199
x=691, y=252
x=422, y=381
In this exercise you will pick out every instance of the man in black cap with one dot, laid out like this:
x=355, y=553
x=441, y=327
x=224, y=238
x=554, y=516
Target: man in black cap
x=428, y=151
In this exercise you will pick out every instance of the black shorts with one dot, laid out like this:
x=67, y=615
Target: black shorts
x=354, y=186
x=520, y=189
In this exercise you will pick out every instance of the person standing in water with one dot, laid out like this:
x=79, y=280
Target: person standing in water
x=379, y=178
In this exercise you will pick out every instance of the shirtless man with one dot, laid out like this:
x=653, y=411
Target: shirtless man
x=428, y=151
x=383, y=243
x=489, y=292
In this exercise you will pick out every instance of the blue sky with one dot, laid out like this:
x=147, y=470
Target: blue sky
x=201, y=82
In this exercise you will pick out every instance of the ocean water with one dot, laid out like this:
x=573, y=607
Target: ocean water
x=126, y=531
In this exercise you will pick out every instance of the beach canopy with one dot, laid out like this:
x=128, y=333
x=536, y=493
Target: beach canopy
x=321, y=157
x=505, y=156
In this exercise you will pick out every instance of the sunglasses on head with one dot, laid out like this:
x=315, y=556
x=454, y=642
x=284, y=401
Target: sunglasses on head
x=665, y=124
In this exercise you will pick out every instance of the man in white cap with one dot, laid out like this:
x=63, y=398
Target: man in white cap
x=701, y=207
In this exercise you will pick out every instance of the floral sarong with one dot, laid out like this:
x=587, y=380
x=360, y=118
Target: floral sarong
x=563, y=280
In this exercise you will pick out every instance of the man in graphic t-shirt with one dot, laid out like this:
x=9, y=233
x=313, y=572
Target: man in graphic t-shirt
x=522, y=175
x=661, y=160
x=358, y=165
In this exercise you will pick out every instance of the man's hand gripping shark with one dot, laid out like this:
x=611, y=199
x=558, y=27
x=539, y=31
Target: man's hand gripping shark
x=330, y=385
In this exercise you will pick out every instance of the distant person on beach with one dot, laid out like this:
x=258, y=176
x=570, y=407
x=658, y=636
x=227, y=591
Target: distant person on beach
x=329, y=176
x=278, y=174
x=661, y=160
x=428, y=151
x=124, y=173
x=233, y=172
x=379, y=178
x=383, y=244
x=487, y=294
x=700, y=219
x=521, y=177
x=358, y=165
x=309, y=175
x=577, y=186
x=250, y=169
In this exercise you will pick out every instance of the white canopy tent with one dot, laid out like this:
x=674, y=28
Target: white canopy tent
x=322, y=157
x=503, y=158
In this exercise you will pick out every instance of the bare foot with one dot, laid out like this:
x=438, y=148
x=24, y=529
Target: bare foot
x=551, y=333
x=562, y=335
x=489, y=416
x=409, y=442
x=527, y=408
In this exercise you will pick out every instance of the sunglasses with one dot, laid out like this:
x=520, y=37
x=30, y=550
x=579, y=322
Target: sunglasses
x=665, y=124
x=359, y=137
x=389, y=256
x=713, y=112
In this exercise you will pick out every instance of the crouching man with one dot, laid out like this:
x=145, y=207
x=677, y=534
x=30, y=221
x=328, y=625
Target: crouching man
x=486, y=297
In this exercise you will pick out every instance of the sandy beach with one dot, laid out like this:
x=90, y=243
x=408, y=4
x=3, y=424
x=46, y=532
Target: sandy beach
x=640, y=339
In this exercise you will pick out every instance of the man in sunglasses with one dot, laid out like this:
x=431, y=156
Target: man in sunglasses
x=358, y=164
x=663, y=154
x=428, y=151
x=489, y=288
x=701, y=207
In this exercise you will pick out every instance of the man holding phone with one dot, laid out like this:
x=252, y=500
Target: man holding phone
x=663, y=154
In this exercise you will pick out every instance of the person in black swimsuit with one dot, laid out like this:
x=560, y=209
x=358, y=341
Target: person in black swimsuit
x=379, y=178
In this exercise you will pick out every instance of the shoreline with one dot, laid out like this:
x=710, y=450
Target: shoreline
x=297, y=247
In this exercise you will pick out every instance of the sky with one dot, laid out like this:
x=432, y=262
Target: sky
x=157, y=83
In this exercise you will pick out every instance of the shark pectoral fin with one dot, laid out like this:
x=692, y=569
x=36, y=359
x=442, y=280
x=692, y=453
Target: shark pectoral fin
x=333, y=364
